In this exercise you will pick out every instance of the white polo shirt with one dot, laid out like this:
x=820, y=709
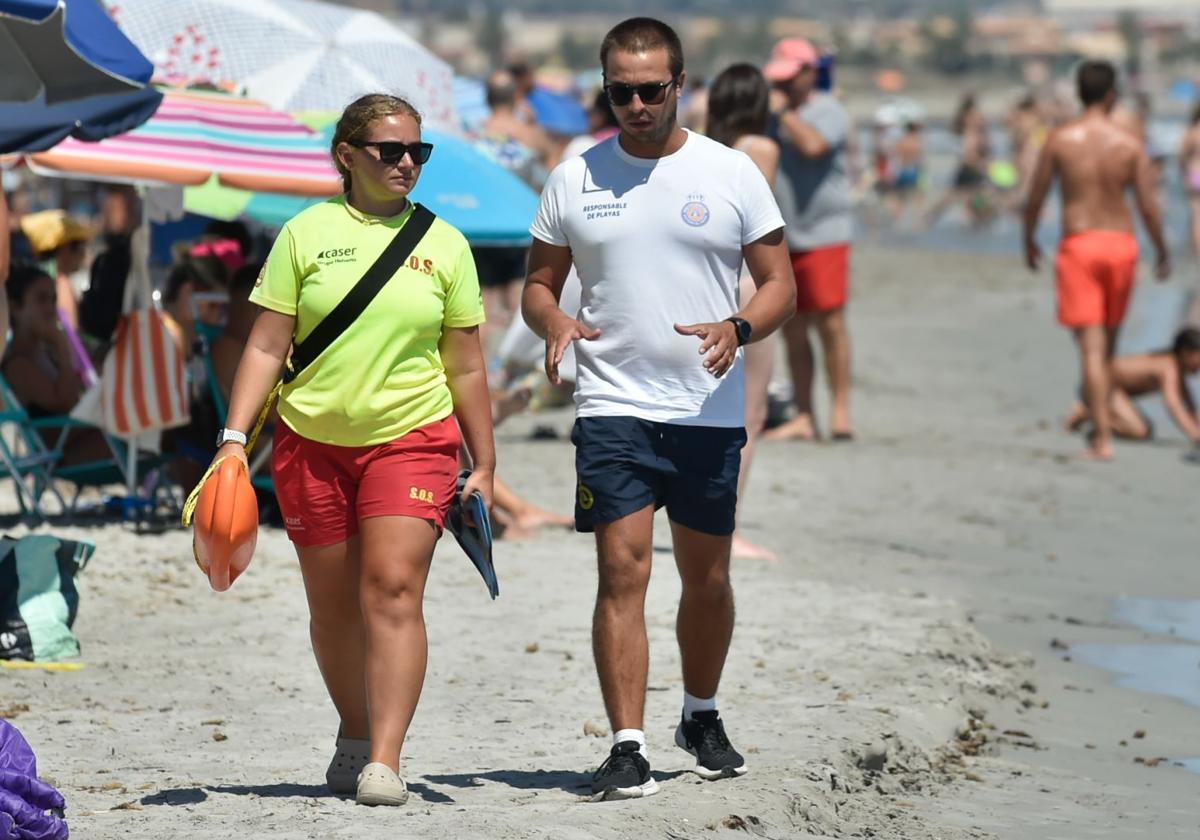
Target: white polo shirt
x=656, y=242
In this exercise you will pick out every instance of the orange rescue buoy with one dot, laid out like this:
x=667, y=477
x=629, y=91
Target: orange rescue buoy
x=225, y=524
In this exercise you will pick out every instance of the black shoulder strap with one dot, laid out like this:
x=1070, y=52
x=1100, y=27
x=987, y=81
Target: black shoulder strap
x=364, y=291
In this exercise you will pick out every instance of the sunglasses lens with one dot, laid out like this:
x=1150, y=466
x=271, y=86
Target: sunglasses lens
x=422, y=152
x=620, y=94
x=651, y=94
x=392, y=152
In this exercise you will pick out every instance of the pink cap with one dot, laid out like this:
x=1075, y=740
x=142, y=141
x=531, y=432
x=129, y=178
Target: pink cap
x=789, y=57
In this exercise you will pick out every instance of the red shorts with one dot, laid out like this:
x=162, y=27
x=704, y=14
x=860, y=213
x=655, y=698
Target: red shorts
x=324, y=490
x=822, y=278
x=1095, y=272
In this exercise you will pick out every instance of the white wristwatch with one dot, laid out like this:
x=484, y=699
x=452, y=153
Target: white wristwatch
x=230, y=436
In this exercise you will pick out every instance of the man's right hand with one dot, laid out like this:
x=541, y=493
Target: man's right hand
x=559, y=334
x=1033, y=254
x=1162, y=268
x=777, y=101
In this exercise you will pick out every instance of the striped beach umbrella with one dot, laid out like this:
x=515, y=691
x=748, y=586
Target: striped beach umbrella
x=489, y=204
x=197, y=136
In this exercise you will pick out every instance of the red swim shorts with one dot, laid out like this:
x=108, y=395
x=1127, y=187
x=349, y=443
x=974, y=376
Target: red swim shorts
x=324, y=490
x=822, y=278
x=1095, y=271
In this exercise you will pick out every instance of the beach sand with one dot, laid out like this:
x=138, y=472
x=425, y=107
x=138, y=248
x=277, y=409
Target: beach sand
x=891, y=677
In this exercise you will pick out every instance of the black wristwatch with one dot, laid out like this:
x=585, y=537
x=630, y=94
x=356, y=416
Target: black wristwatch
x=743, y=329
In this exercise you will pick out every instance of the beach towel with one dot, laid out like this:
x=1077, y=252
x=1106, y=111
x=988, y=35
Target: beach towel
x=38, y=596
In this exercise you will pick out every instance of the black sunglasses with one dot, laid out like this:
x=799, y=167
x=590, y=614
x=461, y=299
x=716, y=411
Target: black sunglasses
x=651, y=93
x=391, y=152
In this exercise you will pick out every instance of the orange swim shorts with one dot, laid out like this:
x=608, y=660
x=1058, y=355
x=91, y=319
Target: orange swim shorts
x=822, y=278
x=1095, y=272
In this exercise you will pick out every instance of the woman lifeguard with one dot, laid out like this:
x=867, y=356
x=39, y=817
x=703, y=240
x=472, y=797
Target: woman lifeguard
x=366, y=453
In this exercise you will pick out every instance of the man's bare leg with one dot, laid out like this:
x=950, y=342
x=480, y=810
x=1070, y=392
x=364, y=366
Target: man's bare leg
x=619, y=624
x=800, y=361
x=835, y=340
x=1077, y=416
x=1094, y=343
x=704, y=625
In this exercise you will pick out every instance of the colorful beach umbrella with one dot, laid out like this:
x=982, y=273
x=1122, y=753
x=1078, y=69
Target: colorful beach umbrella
x=294, y=55
x=67, y=70
x=196, y=136
x=489, y=204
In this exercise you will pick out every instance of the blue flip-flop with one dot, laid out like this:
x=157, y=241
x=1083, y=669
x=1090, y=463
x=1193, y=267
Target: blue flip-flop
x=470, y=524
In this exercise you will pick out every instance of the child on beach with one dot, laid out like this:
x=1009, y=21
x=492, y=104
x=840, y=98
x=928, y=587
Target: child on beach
x=1164, y=372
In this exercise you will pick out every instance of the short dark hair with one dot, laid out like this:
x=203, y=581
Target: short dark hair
x=642, y=34
x=501, y=89
x=1095, y=80
x=738, y=104
x=1186, y=340
x=21, y=276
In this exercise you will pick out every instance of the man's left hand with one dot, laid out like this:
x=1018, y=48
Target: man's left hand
x=718, y=340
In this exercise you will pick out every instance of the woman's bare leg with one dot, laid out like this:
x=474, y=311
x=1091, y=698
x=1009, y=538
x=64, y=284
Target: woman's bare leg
x=396, y=552
x=331, y=575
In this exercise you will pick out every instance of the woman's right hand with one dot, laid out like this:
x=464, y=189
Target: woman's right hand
x=233, y=450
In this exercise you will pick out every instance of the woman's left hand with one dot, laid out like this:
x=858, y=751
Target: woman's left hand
x=481, y=479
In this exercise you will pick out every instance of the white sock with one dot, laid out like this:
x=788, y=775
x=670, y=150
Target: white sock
x=632, y=735
x=691, y=705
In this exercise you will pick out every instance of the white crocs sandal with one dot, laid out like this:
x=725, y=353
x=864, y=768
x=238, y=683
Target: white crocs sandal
x=348, y=761
x=378, y=785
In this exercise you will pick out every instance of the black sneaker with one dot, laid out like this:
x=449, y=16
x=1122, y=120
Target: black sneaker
x=625, y=774
x=704, y=737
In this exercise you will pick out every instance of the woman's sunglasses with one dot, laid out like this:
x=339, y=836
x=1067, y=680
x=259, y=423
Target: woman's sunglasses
x=391, y=152
x=651, y=93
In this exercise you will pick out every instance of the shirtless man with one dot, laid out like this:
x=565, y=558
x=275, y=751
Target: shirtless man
x=1164, y=372
x=1095, y=161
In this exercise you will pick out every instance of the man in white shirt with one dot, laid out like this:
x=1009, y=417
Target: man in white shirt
x=657, y=221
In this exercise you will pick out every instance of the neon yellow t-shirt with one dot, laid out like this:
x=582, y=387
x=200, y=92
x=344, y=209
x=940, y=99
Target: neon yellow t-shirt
x=383, y=377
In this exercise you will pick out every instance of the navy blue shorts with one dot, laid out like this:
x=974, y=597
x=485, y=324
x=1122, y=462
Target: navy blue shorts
x=624, y=464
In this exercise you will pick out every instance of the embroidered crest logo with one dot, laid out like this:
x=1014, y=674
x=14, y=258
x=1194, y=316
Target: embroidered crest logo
x=695, y=211
x=586, y=498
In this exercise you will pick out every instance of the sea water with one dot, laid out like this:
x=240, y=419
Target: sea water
x=1170, y=669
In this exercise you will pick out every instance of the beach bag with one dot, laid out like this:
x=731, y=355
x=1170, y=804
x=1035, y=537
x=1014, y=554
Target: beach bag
x=143, y=386
x=38, y=596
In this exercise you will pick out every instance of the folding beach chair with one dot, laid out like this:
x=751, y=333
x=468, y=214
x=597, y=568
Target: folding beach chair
x=36, y=467
x=29, y=464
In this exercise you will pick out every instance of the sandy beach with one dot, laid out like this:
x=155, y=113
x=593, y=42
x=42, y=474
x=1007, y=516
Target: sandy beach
x=905, y=670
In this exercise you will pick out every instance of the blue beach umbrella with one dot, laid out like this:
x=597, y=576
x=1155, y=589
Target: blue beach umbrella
x=489, y=204
x=67, y=70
